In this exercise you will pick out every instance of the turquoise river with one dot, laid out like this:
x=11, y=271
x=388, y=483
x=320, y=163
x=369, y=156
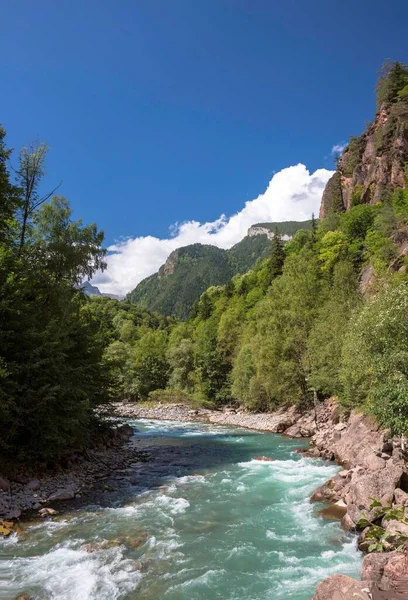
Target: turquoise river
x=202, y=519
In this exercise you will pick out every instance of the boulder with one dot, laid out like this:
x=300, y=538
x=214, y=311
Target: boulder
x=33, y=484
x=373, y=566
x=264, y=458
x=395, y=528
x=64, y=494
x=341, y=587
x=4, y=484
x=293, y=431
x=125, y=431
x=400, y=497
x=347, y=523
x=367, y=485
x=335, y=511
x=358, y=443
x=47, y=512
x=23, y=597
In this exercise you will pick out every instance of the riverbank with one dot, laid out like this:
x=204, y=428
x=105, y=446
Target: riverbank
x=374, y=467
x=37, y=491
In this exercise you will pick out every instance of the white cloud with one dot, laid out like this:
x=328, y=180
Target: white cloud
x=293, y=194
x=338, y=148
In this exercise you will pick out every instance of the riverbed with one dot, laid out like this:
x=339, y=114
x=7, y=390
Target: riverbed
x=206, y=517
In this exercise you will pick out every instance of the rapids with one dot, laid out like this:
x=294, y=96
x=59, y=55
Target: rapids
x=204, y=519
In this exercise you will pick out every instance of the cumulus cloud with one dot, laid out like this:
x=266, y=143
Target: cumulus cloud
x=338, y=148
x=293, y=194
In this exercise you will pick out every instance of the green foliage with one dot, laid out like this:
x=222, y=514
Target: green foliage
x=332, y=248
x=392, y=83
x=375, y=358
x=356, y=195
x=326, y=338
x=379, y=539
x=277, y=256
x=52, y=373
x=191, y=270
x=352, y=155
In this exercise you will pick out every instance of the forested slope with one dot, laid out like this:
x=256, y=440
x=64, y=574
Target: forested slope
x=190, y=270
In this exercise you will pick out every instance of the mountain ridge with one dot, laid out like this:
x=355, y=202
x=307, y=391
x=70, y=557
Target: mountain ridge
x=190, y=270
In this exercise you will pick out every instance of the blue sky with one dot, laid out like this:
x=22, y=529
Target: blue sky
x=164, y=111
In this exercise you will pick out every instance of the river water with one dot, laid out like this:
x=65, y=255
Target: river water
x=203, y=520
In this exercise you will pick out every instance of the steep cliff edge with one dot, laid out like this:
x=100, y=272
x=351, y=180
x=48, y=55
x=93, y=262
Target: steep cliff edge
x=373, y=165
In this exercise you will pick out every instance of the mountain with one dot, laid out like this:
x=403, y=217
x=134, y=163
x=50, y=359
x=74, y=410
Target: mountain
x=190, y=270
x=92, y=290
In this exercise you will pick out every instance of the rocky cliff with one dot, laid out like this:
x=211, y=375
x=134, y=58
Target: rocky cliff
x=374, y=164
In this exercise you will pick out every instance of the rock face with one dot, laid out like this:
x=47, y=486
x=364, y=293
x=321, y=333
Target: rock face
x=372, y=164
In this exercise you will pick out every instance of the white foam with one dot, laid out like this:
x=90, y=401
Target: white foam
x=74, y=574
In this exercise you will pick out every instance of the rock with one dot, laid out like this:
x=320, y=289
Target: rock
x=373, y=566
x=124, y=431
x=357, y=442
x=400, y=497
x=265, y=458
x=33, y=484
x=363, y=543
x=324, y=492
x=354, y=513
x=293, y=431
x=47, y=512
x=340, y=426
x=312, y=452
x=380, y=484
x=137, y=540
x=6, y=528
x=4, y=484
x=335, y=511
x=347, y=523
x=95, y=546
x=395, y=574
x=340, y=587
x=395, y=528
x=343, y=473
x=23, y=597
x=64, y=494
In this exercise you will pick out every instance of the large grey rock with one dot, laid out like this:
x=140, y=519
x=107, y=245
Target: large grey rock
x=373, y=484
x=33, y=484
x=65, y=494
x=4, y=484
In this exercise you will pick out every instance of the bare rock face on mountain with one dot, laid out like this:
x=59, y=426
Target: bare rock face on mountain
x=373, y=164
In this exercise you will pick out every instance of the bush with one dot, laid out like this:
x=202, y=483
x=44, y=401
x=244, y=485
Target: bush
x=375, y=358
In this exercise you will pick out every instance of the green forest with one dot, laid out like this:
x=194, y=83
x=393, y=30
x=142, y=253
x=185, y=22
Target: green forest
x=326, y=313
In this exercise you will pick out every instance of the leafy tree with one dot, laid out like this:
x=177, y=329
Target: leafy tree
x=375, y=358
x=326, y=337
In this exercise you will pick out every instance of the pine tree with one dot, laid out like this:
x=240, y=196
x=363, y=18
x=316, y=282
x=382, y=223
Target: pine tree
x=277, y=255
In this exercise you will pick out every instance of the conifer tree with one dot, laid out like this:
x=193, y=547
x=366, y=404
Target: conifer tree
x=277, y=255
